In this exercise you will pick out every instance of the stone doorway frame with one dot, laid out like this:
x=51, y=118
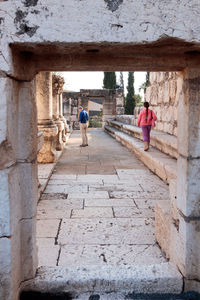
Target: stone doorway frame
x=19, y=171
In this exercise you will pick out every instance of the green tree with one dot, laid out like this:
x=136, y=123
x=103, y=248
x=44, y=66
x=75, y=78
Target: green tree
x=109, y=81
x=130, y=98
x=138, y=100
x=145, y=84
x=121, y=81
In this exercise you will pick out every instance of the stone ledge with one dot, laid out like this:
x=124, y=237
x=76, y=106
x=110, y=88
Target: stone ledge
x=164, y=142
x=157, y=278
x=158, y=162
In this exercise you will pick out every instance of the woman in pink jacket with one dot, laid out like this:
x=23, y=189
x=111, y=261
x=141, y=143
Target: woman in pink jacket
x=146, y=120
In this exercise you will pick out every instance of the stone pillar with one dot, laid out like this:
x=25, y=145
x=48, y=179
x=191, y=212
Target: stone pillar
x=45, y=122
x=57, y=85
x=187, y=238
x=62, y=118
x=18, y=186
x=119, y=101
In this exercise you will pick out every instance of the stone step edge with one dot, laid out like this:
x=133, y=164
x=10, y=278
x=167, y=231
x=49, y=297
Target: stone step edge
x=165, y=170
x=147, y=279
x=159, y=140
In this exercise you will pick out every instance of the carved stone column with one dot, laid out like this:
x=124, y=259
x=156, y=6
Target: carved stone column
x=57, y=85
x=62, y=118
x=45, y=122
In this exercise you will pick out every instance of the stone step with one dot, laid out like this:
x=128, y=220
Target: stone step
x=164, y=142
x=159, y=163
x=140, y=279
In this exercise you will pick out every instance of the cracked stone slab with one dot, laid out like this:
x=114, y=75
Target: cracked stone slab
x=60, y=204
x=89, y=195
x=110, y=202
x=46, y=213
x=92, y=213
x=63, y=177
x=115, y=255
x=160, y=195
x=54, y=188
x=156, y=278
x=133, y=212
x=107, y=231
x=47, y=228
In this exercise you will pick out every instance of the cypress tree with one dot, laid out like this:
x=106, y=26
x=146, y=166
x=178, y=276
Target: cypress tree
x=130, y=98
x=109, y=81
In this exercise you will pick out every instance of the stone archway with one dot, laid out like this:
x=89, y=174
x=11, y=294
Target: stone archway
x=115, y=37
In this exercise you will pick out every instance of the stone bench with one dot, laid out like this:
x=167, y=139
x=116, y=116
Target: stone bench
x=164, y=142
x=159, y=163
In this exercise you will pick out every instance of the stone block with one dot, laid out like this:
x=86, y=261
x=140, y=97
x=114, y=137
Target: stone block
x=191, y=285
x=60, y=204
x=115, y=255
x=166, y=92
x=75, y=111
x=188, y=112
x=110, y=202
x=162, y=226
x=120, y=101
x=8, y=123
x=89, y=195
x=92, y=213
x=29, y=190
x=66, y=189
x=142, y=279
x=5, y=271
x=28, y=251
x=188, y=178
x=133, y=212
x=47, y=228
x=110, y=231
x=27, y=123
x=47, y=245
x=46, y=213
x=119, y=110
x=10, y=200
x=173, y=199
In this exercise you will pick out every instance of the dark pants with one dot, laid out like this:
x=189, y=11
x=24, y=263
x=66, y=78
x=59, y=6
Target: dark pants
x=146, y=129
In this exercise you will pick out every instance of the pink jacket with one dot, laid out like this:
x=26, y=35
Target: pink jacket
x=151, y=118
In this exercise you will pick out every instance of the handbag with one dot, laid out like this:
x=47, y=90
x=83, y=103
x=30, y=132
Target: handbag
x=153, y=123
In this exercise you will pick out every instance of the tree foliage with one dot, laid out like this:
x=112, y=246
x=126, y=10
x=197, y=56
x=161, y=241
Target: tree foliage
x=109, y=81
x=130, y=98
x=145, y=84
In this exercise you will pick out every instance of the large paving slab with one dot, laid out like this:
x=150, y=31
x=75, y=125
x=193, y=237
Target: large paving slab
x=95, y=228
x=107, y=231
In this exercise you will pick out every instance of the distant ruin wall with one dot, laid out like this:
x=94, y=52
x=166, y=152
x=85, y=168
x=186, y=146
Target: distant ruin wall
x=164, y=94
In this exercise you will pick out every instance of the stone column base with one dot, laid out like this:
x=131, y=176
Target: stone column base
x=47, y=154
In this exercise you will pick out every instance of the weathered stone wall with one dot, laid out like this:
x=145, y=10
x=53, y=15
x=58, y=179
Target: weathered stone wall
x=163, y=94
x=113, y=104
x=111, y=36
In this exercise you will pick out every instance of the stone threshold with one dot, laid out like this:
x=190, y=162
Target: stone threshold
x=152, y=279
x=159, y=163
x=162, y=141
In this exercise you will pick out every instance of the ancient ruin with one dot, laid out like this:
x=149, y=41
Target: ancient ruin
x=156, y=36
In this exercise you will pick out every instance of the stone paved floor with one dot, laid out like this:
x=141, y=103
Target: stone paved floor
x=98, y=207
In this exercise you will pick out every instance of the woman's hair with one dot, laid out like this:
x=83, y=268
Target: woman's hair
x=146, y=104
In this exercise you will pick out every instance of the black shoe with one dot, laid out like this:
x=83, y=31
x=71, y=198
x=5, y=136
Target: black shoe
x=83, y=145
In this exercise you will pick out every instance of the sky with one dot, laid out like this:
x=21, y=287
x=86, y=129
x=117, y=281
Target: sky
x=74, y=81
